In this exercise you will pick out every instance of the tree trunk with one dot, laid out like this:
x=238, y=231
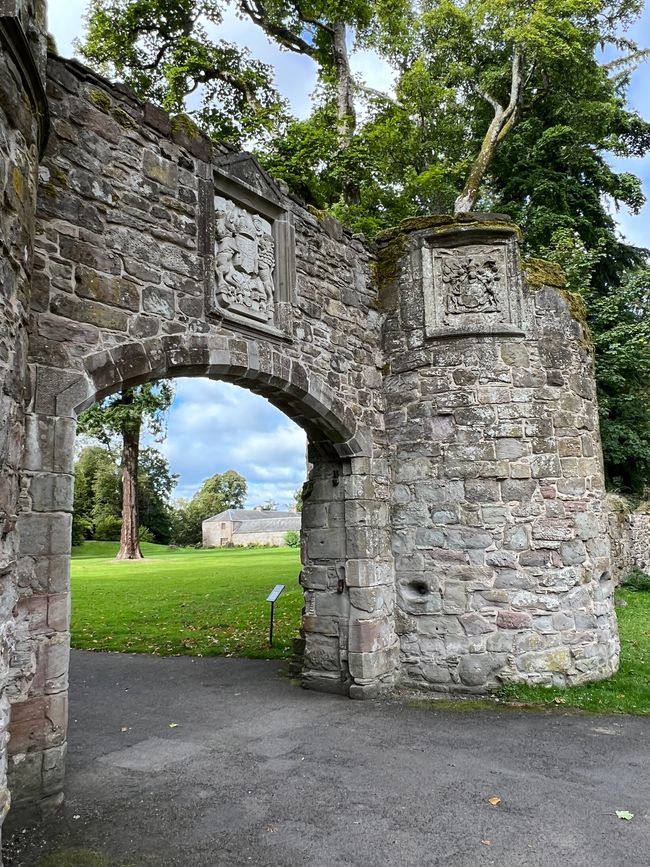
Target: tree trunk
x=467, y=199
x=502, y=122
x=129, y=539
x=346, y=114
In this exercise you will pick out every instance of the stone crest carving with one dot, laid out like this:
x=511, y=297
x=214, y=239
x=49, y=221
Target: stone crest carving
x=471, y=284
x=244, y=257
x=470, y=288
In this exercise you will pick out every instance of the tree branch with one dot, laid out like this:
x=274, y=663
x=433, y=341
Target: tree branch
x=257, y=12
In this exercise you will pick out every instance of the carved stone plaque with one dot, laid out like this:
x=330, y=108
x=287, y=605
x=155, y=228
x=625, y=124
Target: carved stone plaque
x=244, y=261
x=469, y=289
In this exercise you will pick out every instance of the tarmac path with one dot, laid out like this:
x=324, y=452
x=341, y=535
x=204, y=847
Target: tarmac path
x=202, y=762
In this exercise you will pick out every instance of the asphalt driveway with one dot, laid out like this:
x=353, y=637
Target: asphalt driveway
x=198, y=762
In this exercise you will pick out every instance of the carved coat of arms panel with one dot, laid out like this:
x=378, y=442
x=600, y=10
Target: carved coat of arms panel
x=251, y=247
x=469, y=289
x=244, y=257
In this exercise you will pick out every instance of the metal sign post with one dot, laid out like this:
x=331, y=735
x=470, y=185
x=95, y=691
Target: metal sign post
x=272, y=597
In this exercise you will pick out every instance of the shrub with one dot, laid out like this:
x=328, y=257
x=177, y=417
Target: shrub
x=108, y=529
x=636, y=580
x=81, y=530
x=145, y=535
x=292, y=539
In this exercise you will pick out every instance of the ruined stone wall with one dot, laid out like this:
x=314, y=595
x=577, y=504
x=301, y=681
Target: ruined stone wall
x=134, y=253
x=453, y=529
x=629, y=533
x=499, y=534
x=21, y=133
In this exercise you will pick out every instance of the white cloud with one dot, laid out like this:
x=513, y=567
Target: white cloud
x=217, y=426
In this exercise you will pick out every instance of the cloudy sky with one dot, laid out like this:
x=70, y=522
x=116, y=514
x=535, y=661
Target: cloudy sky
x=215, y=426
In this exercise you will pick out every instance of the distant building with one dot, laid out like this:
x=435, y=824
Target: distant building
x=241, y=527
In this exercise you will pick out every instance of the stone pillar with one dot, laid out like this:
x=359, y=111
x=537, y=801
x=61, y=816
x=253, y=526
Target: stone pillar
x=39, y=677
x=350, y=642
x=23, y=132
x=499, y=530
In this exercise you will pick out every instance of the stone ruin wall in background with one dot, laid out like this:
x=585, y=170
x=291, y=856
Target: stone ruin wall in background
x=630, y=538
x=454, y=530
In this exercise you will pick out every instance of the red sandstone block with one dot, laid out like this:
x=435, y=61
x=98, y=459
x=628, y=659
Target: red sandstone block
x=58, y=612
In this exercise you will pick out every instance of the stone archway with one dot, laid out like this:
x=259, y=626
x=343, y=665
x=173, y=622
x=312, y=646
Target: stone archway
x=455, y=537
x=346, y=624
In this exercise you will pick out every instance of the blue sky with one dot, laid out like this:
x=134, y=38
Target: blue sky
x=215, y=426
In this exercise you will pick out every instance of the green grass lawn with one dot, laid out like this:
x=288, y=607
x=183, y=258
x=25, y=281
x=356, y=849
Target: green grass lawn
x=184, y=601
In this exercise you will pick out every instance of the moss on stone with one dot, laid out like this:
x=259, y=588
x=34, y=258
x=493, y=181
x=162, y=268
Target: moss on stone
x=578, y=310
x=440, y=223
x=317, y=212
x=59, y=177
x=101, y=99
x=184, y=123
x=540, y=272
x=18, y=183
x=619, y=506
x=386, y=267
x=58, y=180
x=123, y=118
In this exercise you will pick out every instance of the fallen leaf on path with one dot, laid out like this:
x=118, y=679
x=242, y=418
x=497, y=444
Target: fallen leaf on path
x=124, y=729
x=625, y=814
x=486, y=842
x=173, y=725
x=559, y=700
x=494, y=801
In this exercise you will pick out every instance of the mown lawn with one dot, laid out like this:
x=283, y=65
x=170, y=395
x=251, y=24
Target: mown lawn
x=184, y=601
x=629, y=690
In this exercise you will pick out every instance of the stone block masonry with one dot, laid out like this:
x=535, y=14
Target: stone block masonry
x=453, y=532
x=499, y=532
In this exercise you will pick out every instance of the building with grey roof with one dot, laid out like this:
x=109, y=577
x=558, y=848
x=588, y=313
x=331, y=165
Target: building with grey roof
x=241, y=527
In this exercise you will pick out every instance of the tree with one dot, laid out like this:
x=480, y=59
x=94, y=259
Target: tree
x=164, y=51
x=97, y=493
x=269, y=506
x=155, y=485
x=218, y=493
x=124, y=415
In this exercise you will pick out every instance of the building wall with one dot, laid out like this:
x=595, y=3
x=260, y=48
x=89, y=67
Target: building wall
x=243, y=539
x=22, y=132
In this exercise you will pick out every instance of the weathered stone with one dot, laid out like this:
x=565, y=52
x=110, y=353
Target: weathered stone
x=514, y=619
x=476, y=669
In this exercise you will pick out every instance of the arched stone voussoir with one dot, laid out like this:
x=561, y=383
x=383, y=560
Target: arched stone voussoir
x=290, y=386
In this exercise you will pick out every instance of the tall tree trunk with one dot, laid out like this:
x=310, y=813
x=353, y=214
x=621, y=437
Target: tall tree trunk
x=129, y=539
x=503, y=121
x=346, y=114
